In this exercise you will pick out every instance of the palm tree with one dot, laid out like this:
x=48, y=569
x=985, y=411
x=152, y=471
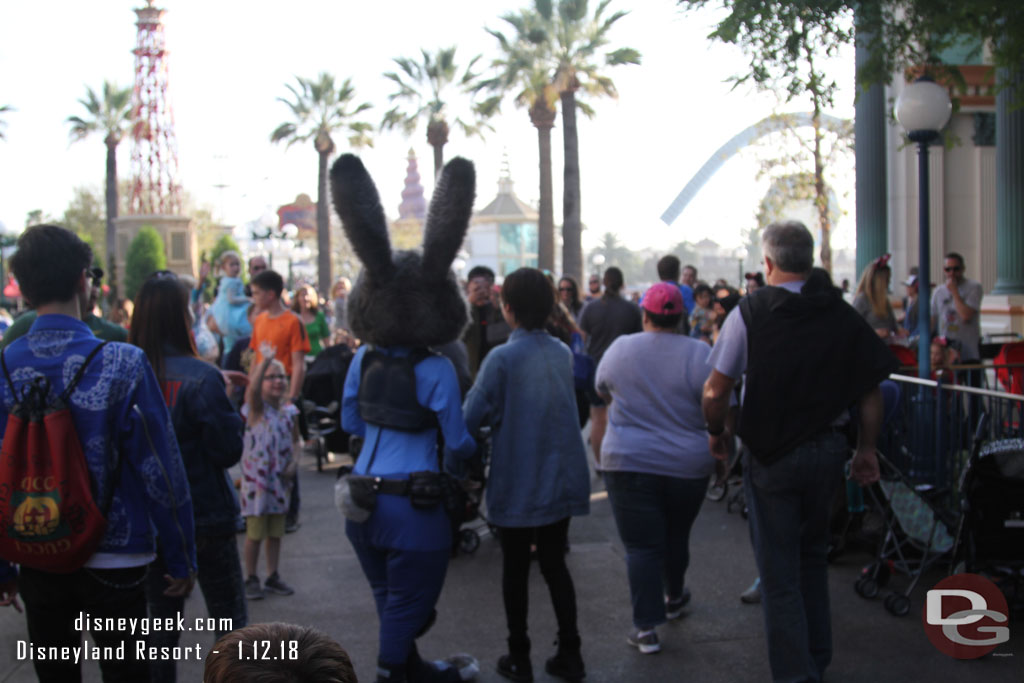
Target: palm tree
x=3, y=124
x=425, y=85
x=575, y=39
x=524, y=71
x=320, y=108
x=111, y=116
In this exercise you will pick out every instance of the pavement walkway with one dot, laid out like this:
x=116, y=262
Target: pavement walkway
x=718, y=640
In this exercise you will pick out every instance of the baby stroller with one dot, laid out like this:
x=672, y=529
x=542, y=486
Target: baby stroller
x=466, y=498
x=990, y=540
x=321, y=402
x=916, y=536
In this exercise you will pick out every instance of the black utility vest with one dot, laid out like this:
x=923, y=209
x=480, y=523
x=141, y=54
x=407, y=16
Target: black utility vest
x=809, y=357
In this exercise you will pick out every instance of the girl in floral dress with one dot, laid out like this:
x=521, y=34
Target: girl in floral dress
x=268, y=471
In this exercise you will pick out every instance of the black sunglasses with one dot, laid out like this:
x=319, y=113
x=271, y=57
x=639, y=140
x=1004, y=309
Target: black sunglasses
x=953, y=269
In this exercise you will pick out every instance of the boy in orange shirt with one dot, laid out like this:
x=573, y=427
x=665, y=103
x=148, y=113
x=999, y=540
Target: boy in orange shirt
x=278, y=328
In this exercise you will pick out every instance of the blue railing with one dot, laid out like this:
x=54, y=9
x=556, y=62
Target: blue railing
x=930, y=436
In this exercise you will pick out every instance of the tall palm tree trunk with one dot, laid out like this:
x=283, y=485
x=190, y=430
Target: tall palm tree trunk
x=572, y=228
x=111, y=234
x=437, y=137
x=323, y=228
x=543, y=118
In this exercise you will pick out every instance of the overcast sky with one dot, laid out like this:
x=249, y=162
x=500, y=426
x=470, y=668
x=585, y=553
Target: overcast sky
x=229, y=61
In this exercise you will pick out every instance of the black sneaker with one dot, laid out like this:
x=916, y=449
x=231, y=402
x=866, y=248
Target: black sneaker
x=674, y=608
x=516, y=668
x=274, y=584
x=291, y=525
x=567, y=665
x=253, y=591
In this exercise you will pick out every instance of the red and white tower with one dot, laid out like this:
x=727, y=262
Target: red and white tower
x=154, y=164
x=155, y=200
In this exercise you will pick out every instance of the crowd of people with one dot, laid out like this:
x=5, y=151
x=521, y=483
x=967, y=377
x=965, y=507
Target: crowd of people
x=181, y=392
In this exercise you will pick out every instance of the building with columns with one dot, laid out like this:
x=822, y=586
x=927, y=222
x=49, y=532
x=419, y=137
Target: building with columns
x=976, y=192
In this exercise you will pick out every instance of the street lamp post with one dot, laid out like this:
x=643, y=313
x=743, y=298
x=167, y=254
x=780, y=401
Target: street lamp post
x=598, y=261
x=923, y=108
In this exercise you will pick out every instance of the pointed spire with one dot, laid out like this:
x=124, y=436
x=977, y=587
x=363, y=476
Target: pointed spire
x=505, y=179
x=413, y=204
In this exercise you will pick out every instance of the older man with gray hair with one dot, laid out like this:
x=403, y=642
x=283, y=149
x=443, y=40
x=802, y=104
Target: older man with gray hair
x=810, y=357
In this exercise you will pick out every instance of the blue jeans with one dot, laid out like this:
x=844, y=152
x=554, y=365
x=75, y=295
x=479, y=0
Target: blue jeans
x=789, y=503
x=654, y=514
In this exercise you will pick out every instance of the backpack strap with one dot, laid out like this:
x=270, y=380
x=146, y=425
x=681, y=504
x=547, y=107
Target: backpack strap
x=66, y=394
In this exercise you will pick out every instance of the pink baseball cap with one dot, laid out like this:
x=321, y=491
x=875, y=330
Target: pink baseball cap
x=663, y=298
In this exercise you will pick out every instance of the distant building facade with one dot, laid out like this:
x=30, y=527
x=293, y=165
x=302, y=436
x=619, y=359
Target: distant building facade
x=503, y=235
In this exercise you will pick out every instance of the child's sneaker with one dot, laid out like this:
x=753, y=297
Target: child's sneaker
x=252, y=588
x=274, y=584
x=645, y=641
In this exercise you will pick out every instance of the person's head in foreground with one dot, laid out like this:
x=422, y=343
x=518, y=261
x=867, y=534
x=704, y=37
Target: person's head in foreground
x=278, y=653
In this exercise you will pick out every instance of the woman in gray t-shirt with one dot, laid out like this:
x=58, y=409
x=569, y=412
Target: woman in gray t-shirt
x=655, y=456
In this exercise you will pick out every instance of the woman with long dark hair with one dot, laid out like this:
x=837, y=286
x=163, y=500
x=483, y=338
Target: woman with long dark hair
x=209, y=433
x=569, y=296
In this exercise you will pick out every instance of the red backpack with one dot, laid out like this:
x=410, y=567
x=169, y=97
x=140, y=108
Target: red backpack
x=48, y=518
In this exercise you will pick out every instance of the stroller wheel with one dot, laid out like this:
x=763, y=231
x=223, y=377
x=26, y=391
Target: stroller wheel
x=321, y=455
x=897, y=605
x=469, y=541
x=866, y=587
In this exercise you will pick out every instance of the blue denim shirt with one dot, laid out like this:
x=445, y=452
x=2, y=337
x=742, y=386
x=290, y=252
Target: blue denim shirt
x=525, y=391
x=209, y=431
x=117, y=409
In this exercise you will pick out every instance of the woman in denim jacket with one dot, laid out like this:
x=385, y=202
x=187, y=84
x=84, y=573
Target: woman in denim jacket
x=209, y=432
x=539, y=476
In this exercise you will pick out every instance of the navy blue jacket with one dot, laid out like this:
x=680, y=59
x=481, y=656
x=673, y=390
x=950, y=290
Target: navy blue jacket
x=209, y=431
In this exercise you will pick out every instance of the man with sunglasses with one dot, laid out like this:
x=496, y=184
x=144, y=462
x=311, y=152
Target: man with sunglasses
x=956, y=309
x=104, y=329
x=257, y=264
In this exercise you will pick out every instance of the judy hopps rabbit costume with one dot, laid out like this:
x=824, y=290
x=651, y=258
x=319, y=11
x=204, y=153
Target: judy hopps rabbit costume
x=402, y=304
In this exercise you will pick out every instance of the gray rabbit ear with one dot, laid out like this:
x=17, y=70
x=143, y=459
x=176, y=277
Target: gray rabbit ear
x=362, y=216
x=448, y=217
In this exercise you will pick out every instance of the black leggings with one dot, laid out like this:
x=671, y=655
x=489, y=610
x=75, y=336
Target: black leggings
x=551, y=543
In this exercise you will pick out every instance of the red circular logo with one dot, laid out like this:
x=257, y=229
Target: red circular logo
x=965, y=616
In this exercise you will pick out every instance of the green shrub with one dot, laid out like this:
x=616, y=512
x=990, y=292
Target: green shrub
x=146, y=254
